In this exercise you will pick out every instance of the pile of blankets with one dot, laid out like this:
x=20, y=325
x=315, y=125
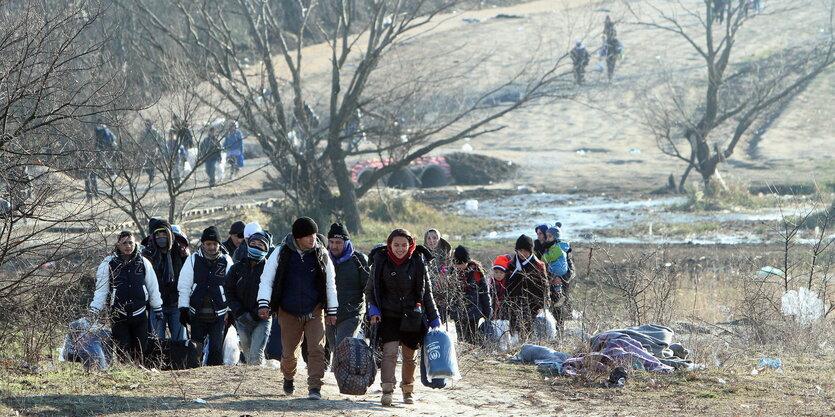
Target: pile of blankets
x=648, y=347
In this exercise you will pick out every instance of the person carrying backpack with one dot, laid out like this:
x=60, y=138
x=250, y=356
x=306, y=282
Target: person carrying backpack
x=299, y=284
x=399, y=294
x=128, y=281
x=351, y=278
x=202, y=300
x=241, y=288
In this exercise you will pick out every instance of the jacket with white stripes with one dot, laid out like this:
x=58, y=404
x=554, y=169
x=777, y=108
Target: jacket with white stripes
x=198, y=279
x=129, y=284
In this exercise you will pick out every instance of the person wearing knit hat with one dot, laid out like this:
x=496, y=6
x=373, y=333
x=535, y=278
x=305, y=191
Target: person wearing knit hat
x=560, y=265
x=500, y=271
x=202, y=300
x=299, y=284
x=241, y=252
x=472, y=302
x=167, y=255
x=527, y=287
x=236, y=237
x=241, y=288
x=400, y=301
x=351, y=277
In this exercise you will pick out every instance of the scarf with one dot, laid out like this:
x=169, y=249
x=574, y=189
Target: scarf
x=163, y=266
x=347, y=253
x=394, y=259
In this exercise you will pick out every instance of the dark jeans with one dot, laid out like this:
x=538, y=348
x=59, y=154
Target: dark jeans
x=130, y=335
x=213, y=330
x=211, y=170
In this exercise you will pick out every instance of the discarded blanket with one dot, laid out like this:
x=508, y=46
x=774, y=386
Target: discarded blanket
x=612, y=349
x=656, y=339
x=546, y=359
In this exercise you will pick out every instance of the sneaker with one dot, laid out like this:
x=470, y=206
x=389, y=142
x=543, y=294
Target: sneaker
x=314, y=394
x=288, y=387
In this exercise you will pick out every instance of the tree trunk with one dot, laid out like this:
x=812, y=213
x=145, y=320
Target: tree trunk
x=347, y=191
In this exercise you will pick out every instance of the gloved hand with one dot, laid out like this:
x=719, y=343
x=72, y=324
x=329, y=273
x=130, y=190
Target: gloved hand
x=185, y=316
x=434, y=324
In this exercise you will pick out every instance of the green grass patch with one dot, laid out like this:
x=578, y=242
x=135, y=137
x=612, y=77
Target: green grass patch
x=735, y=197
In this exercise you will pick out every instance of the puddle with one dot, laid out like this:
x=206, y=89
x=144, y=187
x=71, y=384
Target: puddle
x=585, y=216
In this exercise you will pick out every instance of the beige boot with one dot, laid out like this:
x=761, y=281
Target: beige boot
x=407, y=393
x=388, y=390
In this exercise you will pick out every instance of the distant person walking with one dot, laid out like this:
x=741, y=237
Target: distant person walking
x=210, y=151
x=234, y=146
x=613, y=52
x=609, y=28
x=104, y=144
x=152, y=142
x=580, y=60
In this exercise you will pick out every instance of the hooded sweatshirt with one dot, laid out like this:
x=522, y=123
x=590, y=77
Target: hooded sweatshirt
x=166, y=266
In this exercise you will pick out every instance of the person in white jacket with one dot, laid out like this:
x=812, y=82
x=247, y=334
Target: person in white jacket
x=202, y=302
x=125, y=285
x=299, y=283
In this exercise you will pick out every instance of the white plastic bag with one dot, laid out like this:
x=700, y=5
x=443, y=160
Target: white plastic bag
x=231, y=347
x=804, y=305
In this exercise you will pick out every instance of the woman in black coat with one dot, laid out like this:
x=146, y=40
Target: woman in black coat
x=399, y=293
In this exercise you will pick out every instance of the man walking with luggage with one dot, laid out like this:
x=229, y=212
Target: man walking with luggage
x=298, y=283
x=351, y=277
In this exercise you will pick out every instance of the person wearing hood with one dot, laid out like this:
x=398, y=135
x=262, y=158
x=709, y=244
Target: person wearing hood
x=539, y=243
x=399, y=294
x=202, y=300
x=167, y=254
x=560, y=265
x=580, y=60
x=299, y=284
x=236, y=237
x=472, y=295
x=125, y=285
x=351, y=278
x=241, y=288
x=527, y=288
x=439, y=267
x=242, y=251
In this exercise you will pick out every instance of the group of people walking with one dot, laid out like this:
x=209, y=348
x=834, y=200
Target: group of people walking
x=611, y=50
x=320, y=289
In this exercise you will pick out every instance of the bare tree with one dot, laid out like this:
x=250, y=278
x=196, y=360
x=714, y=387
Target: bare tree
x=54, y=81
x=276, y=99
x=703, y=127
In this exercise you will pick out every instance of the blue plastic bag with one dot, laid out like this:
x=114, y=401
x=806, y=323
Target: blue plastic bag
x=274, y=349
x=439, y=350
x=88, y=344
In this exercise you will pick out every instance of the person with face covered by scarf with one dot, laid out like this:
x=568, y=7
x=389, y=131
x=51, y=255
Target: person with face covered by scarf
x=351, y=278
x=202, y=301
x=167, y=256
x=241, y=288
x=399, y=294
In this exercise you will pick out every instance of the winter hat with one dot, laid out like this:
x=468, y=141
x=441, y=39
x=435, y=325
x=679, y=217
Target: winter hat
x=542, y=228
x=237, y=228
x=524, y=242
x=461, y=255
x=502, y=262
x=554, y=232
x=251, y=228
x=304, y=226
x=210, y=233
x=338, y=231
x=260, y=236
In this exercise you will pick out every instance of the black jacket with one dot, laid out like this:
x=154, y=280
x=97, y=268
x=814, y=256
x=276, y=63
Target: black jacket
x=179, y=254
x=472, y=298
x=382, y=268
x=241, y=287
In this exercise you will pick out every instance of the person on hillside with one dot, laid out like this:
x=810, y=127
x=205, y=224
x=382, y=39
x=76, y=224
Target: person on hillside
x=211, y=151
x=202, y=300
x=499, y=285
x=176, y=156
x=125, y=285
x=560, y=265
x=438, y=265
x=167, y=255
x=352, y=273
x=183, y=131
x=609, y=28
x=152, y=142
x=399, y=295
x=241, y=288
x=613, y=52
x=539, y=243
x=236, y=237
x=473, y=295
x=299, y=283
x=719, y=7
x=580, y=60
x=527, y=288
x=233, y=143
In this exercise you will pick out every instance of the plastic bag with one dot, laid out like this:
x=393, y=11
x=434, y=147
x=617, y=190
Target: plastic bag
x=441, y=360
x=87, y=343
x=804, y=305
x=499, y=335
x=231, y=347
x=545, y=326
